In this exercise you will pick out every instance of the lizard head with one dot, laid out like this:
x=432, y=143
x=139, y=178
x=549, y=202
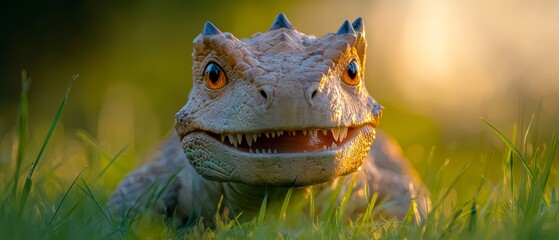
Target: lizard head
x=280, y=108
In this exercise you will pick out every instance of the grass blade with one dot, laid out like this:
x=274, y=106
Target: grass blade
x=328, y=212
x=284, y=205
x=167, y=184
x=89, y=193
x=99, y=152
x=65, y=195
x=311, y=205
x=473, y=216
x=262, y=211
x=28, y=182
x=347, y=196
x=23, y=120
x=73, y=208
x=548, y=164
x=109, y=164
x=367, y=215
x=510, y=158
x=524, y=140
x=88, y=140
x=25, y=194
x=460, y=174
x=513, y=148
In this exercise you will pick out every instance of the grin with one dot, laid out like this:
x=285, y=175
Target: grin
x=278, y=142
x=279, y=158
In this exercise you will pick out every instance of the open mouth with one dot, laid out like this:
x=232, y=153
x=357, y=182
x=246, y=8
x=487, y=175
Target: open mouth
x=297, y=157
x=297, y=141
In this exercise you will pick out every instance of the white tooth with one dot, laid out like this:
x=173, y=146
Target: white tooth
x=249, y=139
x=305, y=132
x=334, y=145
x=250, y=150
x=240, y=138
x=255, y=136
x=269, y=150
x=335, y=133
x=280, y=133
x=233, y=140
x=275, y=151
x=340, y=130
x=273, y=134
x=324, y=131
x=267, y=134
x=222, y=137
x=314, y=133
x=257, y=151
x=343, y=133
x=324, y=147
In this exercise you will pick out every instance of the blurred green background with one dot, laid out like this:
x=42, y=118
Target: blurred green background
x=437, y=66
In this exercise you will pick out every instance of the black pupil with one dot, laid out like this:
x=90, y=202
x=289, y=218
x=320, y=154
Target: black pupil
x=213, y=72
x=352, y=70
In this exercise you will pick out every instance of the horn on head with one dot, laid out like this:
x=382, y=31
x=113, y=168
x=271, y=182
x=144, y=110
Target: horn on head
x=358, y=25
x=281, y=22
x=346, y=28
x=210, y=29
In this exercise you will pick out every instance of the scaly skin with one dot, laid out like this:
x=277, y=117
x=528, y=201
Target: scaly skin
x=282, y=82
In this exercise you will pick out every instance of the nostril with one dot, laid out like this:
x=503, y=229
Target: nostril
x=263, y=93
x=314, y=93
x=311, y=93
x=267, y=93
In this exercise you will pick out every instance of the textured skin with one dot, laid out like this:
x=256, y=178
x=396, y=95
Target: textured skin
x=280, y=80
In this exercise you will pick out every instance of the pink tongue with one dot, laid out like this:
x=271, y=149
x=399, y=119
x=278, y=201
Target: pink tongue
x=287, y=144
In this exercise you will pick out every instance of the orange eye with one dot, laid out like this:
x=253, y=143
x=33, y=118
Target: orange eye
x=351, y=75
x=215, y=76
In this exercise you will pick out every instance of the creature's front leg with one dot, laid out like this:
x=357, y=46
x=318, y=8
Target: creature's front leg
x=151, y=189
x=390, y=174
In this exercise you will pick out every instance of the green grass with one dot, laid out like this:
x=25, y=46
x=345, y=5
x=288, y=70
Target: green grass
x=513, y=198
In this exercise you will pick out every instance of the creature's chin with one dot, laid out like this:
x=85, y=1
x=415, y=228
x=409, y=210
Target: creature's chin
x=289, y=164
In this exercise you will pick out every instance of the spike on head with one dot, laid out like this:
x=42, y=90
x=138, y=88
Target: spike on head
x=281, y=22
x=358, y=25
x=346, y=28
x=210, y=29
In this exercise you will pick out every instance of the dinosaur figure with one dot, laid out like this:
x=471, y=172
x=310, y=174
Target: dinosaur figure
x=280, y=109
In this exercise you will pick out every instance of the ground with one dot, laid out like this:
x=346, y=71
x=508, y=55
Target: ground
x=507, y=190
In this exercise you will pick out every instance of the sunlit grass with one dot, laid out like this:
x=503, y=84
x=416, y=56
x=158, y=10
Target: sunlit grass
x=520, y=204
